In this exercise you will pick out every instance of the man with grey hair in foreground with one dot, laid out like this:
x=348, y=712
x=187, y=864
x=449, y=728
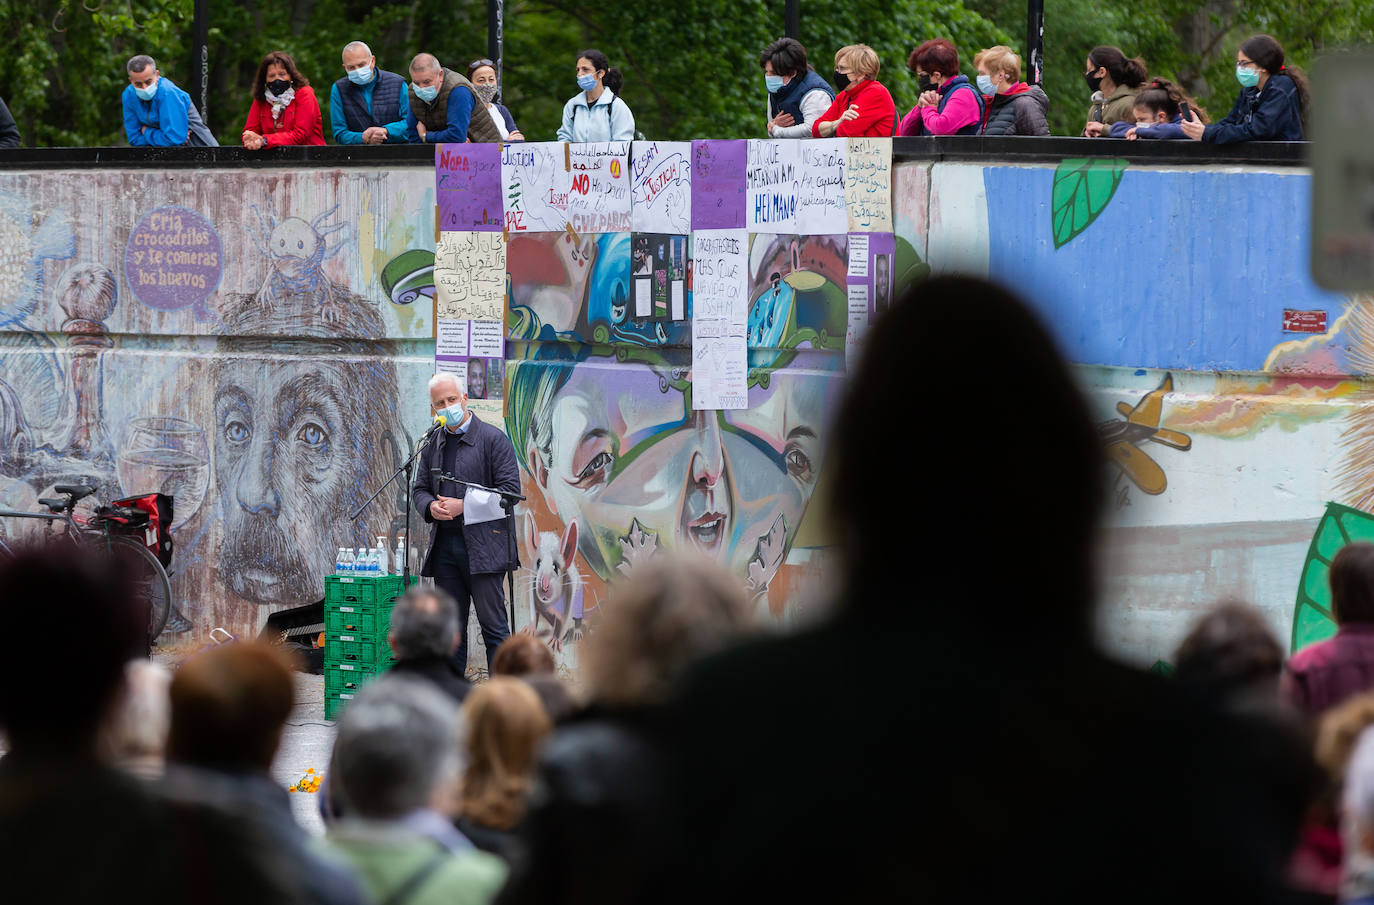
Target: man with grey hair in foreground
x=365, y=105
x=398, y=760
x=424, y=634
x=158, y=114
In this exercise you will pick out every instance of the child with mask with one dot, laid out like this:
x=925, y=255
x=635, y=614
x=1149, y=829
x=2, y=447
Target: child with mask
x=1272, y=104
x=596, y=113
x=1158, y=113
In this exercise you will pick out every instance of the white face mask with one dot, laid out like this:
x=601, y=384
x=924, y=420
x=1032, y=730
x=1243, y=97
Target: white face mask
x=1142, y=124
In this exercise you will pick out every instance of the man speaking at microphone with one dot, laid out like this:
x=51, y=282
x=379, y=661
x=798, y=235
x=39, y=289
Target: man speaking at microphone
x=469, y=561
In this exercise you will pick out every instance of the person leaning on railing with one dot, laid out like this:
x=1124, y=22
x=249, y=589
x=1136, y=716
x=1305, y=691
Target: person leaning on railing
x=797, y=96
x=1012, y=107
x=596, y=112
x=441, y=104
x=1274, y=99
x=1114, y=82
x=365, y=105
x=948, y=104
x=482, y=74
x=9, y=132
x=284, y=111
x=158, y=114
x=863, y=108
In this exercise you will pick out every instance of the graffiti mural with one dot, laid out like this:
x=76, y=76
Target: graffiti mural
x=234, y=338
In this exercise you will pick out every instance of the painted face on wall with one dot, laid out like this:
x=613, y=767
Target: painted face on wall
x=291, y=445
x=623, y=444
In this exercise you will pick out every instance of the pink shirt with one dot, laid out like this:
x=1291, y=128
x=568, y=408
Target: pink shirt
x=960, y=111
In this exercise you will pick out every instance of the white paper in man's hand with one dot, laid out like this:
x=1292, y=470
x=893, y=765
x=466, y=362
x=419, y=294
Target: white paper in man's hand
x=481, y=506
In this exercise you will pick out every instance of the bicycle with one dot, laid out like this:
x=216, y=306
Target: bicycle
x=150, y=578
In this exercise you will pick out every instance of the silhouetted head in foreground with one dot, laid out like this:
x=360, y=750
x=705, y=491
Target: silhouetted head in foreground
x=1231, y=651
x=229, y=706
x=53, y=702
x=966, y=468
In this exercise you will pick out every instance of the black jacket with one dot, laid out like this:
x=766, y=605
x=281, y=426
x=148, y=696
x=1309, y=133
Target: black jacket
x=485, y=456
x=9, y=132
x=439, y=671
x=1018, y=114
x=1274, y=114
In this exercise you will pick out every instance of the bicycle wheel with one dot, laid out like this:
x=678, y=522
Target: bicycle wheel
x=150, y=579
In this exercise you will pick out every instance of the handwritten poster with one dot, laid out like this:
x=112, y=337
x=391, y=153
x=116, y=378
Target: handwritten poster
x=174, y=259
x=534, y=186
x=868, y=185
x=770, y=204
x=470, y=276
x=720, y=312
x=467, y=185
x=474, y=352
x=718, y=174
x=598, y=186
x=661, y=186
x=820, y=188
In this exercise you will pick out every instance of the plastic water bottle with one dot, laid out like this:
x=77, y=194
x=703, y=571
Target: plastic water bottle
x=374, y=562
x=398, y=561
x=383, y=568
x=339, y=562
x=349, y=564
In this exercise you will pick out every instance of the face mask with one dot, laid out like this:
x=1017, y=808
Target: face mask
x=360, y=76
x=1094, y=81
x=587, y=82
x=425, y=94
x=146, y=94
x=924, y=84
x=1248, y=78
x=485, y=93
x=1143, y=124
x=278, y=86
x=773, y=83
x=453, y=415
x=986, y=85
x=841, y=80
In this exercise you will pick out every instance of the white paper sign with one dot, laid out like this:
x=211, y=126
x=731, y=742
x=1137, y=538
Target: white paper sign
x=770, y=203
x=451, y=337
x=488, y=339
x=720, y=315
x=820, y=188
x=470, y=276
x=481, y=506
x=458, y=369
x=661, y=187
x=858, y=254
x=868, y=185
x=598, y=186
x=534, y=185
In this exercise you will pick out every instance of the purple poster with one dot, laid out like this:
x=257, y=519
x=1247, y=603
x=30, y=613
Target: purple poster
x=174, y=259
x=718, y=177
x=467, y=182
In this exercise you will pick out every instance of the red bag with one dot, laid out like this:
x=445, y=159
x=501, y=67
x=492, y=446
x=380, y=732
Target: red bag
x=156, y=531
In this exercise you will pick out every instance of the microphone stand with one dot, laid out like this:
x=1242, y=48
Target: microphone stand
x=408, y=469
x=508, y=501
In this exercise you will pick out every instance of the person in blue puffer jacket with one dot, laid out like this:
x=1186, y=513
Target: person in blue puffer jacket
x=1158, y=113
x=1273, y=101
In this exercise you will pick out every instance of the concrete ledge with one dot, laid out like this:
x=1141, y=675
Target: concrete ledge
x=932, y=149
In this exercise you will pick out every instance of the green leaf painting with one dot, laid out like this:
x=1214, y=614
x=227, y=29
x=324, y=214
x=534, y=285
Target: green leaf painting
x=1312, y=619
x=1082, y=188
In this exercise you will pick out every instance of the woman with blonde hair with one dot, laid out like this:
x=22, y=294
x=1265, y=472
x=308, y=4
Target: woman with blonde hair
x=506, y=725
x=863, y=107
x=1013, y=107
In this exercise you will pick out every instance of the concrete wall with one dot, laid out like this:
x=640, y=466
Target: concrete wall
x=275, y=357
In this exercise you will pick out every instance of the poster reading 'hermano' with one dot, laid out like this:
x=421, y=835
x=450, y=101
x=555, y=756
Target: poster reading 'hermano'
x=771, y=179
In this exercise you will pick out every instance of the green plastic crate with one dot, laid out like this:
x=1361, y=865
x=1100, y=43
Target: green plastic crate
x=347, y=676
x=359, y=648
x=335, y=702
x=349, y=619
x=361, y=590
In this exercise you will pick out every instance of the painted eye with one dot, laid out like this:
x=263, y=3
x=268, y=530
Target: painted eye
x=555, y=568
x=300, y=243
x=236, y=432
x=312, y=435
x=282, y=243
x=601, y=462
x=798, y=463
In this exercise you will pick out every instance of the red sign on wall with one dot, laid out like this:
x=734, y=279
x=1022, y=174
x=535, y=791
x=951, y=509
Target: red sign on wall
x=1295, y=321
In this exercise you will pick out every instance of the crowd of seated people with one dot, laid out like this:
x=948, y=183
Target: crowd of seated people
x=988, y=750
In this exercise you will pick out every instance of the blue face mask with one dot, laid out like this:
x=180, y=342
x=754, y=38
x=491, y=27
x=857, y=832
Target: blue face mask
x=986, y=85
x=453, y=415
x=586, y=82
x=773, y=83
x=1248, y=78
x=425, y=94
x=146, y=94
x=360, y=76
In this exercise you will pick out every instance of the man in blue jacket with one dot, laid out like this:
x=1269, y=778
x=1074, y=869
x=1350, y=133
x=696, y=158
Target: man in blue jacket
x=468, y=553
x=157, y=113
x=365, y=105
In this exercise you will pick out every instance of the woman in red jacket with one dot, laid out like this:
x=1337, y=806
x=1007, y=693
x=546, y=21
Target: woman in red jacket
x=284, y=111
x=863, y=108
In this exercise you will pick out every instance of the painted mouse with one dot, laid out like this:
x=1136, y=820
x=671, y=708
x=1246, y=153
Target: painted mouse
x=556, y=586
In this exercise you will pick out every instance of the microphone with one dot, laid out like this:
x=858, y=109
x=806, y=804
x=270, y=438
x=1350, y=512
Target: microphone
x=439, y=422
